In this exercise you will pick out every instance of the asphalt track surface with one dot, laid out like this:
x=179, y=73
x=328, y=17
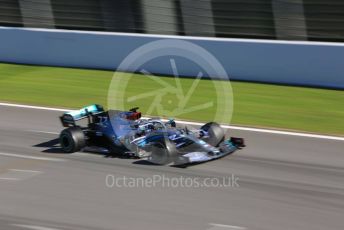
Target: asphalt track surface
x=284, y=182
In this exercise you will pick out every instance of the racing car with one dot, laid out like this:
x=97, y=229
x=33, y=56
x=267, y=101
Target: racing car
x=127, y=134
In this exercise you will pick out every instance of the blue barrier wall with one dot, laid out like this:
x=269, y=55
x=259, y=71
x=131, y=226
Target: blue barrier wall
x=299, y=63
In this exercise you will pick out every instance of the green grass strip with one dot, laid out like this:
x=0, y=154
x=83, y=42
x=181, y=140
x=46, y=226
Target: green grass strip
x=258, y=105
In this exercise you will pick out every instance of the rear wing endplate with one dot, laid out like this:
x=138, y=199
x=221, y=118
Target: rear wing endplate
x=69, y=118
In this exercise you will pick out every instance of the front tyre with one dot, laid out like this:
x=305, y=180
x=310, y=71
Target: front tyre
x=72, y=139
x=163, y=153
x=215, y=132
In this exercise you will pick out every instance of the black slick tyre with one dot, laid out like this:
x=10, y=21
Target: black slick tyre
x=72, y=140
x=163, y=153
x=215, y=132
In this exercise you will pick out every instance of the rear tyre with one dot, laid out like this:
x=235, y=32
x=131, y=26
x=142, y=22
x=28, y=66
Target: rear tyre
x=72, y=140
x=215, y=132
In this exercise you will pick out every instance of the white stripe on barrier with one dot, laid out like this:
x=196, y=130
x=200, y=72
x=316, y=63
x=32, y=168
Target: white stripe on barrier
x=162, y=36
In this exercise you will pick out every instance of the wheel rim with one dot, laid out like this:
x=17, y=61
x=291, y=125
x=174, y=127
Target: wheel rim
x=65, y=142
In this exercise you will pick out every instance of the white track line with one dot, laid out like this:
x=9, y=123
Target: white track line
x=31, y=157
x=32, y=107
x=270, y=131
x=33, y=227
x=8, y=178
x=227, y=226
x=19, y=174
x=25, y=170
x=45, y=132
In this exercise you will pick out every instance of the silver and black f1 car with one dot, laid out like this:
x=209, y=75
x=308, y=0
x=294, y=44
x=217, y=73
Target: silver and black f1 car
x=126, y=134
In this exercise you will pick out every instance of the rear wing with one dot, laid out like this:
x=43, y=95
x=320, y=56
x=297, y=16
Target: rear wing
x=68, y=119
